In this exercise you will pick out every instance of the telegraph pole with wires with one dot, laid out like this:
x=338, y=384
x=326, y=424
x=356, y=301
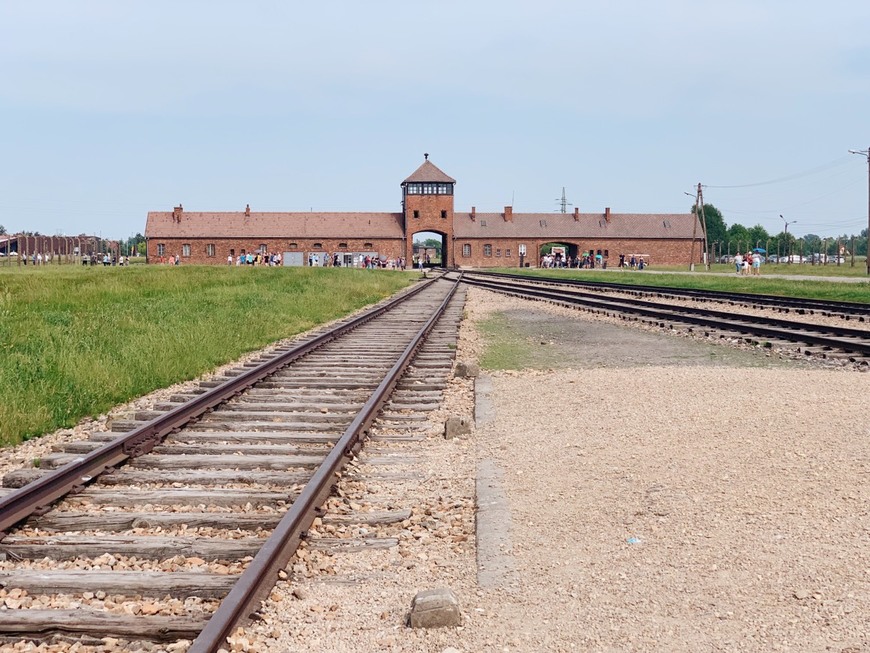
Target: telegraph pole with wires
x=699, y=215
x=867, y=154
x=704, y=227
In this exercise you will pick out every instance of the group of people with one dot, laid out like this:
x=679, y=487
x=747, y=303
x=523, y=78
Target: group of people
x=748, y=264
x=634, y=262
x=585, y=261
x=254, y=259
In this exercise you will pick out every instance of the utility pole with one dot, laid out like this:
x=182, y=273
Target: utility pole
x=704, y=227
x=867, y=154
x=787, y=241
x=694, y=227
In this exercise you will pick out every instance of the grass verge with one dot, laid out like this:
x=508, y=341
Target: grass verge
x=76, y=341
x=764, y=285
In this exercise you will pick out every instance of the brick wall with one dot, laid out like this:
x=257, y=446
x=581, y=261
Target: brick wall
x=504, y=252
x=423, y=213
x=390, y=248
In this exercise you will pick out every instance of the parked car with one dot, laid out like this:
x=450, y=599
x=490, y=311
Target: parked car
x=773, y=258
x=726, y=258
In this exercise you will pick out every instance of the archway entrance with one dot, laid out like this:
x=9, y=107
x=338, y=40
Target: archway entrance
x=430, y=249
x=557, y=255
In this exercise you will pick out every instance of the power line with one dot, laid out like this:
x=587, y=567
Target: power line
x=839, y=161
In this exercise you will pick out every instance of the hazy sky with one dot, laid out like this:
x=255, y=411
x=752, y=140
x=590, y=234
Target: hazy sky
x=111, y=109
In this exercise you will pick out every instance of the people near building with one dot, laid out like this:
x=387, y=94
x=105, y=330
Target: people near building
x=738, y=262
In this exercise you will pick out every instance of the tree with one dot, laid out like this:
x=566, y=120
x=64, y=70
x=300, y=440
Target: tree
x=738, y=237
x=716, y=230
x=758, y=236
x=2, y=230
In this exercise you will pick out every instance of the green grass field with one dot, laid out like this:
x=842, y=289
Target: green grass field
x=726, y=280
x=76, y=341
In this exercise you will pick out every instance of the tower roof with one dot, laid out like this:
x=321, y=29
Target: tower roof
x=429, y=172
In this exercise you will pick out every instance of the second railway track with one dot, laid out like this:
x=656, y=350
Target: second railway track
x=824, y=340
x=182, y=541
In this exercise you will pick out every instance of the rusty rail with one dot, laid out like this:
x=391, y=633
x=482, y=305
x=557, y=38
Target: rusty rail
x=262, y=573
x=37, y=495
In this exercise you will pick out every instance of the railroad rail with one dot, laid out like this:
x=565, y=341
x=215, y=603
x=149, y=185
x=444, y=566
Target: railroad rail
x=224, y=476
x=801, y=306
x=833, y=341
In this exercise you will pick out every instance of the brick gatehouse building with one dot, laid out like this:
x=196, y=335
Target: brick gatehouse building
x=469, y=239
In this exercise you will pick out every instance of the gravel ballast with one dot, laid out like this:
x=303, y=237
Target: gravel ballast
x=660, y=498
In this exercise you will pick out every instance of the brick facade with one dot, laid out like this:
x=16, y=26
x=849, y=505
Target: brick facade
x=468, y=239
x=200, y=252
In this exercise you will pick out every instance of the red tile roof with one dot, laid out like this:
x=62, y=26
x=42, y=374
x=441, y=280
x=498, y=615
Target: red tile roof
x=236, y=224
x=429, y=172
x=590, y=225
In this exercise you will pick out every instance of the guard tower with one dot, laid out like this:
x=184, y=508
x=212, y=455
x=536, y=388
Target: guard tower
x=427, y=203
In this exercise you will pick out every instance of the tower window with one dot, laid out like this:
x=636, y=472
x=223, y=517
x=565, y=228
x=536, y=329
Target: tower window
x=416, y=214
x=443, y=215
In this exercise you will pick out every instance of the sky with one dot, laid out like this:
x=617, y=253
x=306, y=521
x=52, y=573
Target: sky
x=112, y=109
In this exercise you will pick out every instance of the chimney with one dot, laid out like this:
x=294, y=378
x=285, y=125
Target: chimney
x=508, y=214
x=247, y=210
x=607, y=214
x=176, y=213
x=576, y=214
x=473, y=213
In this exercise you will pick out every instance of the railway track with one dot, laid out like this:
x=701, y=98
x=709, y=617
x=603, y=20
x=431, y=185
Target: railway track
x=176, y=527
x=799, y=306
x=811, y=339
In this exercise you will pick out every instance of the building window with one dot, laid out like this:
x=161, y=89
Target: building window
x=483, y=223
x=507, y=252
x=466, y=250
x=416, y=214
x=606, y=253
x=318, y=245
x=209, y=249
x=487, y=250
x=262, y=249
x=344, y=245
x=161, y=249
x=498, y=252
x=185, y=250
x=443, y=215
x=292, y=246
x=368, y=245
x=429, y=189
x=243, y=252
x=232, y=252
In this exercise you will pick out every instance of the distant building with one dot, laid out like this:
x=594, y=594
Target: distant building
x=468, y=239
